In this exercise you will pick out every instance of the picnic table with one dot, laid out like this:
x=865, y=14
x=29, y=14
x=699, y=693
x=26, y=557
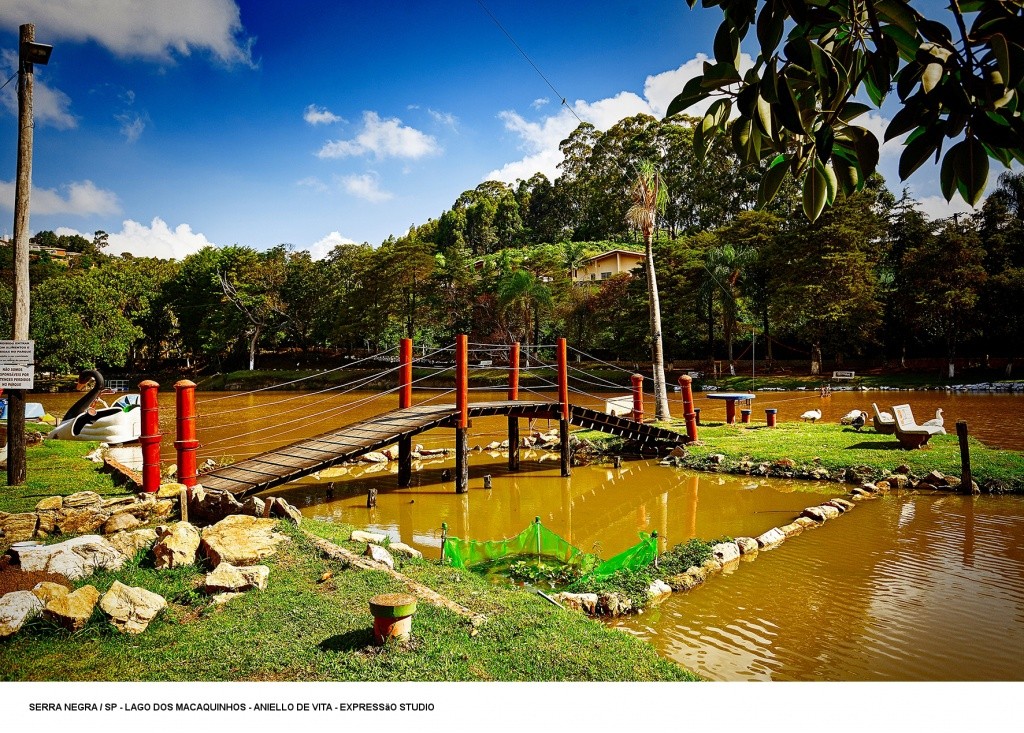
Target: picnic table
x=730, y=402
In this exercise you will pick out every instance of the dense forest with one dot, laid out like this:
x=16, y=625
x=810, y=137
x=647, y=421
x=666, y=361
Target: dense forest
x=872, y=278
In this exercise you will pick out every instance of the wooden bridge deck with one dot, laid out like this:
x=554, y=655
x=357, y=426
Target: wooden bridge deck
x=308, y=456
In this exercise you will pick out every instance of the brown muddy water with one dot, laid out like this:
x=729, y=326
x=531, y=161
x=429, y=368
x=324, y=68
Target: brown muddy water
x=909, y=587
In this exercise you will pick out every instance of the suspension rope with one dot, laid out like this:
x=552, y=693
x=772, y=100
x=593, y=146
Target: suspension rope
x=294, y=381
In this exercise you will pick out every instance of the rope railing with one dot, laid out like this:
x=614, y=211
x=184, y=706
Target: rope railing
x=296, y=381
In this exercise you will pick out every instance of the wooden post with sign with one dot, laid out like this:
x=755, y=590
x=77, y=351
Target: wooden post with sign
x=16, y=375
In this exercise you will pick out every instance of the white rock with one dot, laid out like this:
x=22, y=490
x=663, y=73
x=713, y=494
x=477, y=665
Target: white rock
x=176, y=546
x=770, y=539
x=360, y=536
x=229, y=578
x=726, y=552
x=658, y=588
x=373, y=457
x=379, y=554
x=130, y=608
x=15, y=609
x=400, y=548
x=75, y=559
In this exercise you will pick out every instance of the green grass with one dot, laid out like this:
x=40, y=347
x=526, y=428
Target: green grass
x=302, y=629
x=55, y=467
x=835, y=447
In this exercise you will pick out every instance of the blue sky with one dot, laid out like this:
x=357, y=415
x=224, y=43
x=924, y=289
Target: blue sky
x=172, y=125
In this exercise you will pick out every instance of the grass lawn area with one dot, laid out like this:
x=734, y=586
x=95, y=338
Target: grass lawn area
x=302, y=629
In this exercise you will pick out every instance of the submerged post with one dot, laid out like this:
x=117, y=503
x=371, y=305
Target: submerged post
x=689, y=414
x=638, y=397
x=462, y=404
x=563, y=398
x=405, y=401
x=513, y=395
x=150, y=438
x=966, y=481
x=186, y=443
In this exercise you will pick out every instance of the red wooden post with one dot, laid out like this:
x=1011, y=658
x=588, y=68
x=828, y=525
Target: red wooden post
x=405, y=373
x=563, y=379
x=686, y=385
x=770, y=415
x=513, y=372
x=150, y=438
x=462, y=379
x=730, y=412
x=638, y=397
x=186, y=443
x=745, y=415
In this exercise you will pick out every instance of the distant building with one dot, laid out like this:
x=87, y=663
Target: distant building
x=606, y=265
x=56, y=254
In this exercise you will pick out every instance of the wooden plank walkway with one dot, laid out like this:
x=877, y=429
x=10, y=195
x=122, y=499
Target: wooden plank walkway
x=308, y=456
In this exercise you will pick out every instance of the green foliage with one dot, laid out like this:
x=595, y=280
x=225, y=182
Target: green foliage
x=682, y=557
x=959, y=77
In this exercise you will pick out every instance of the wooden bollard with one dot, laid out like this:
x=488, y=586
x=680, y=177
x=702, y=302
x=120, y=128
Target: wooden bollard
x=745, y=415
x=966, y=482
x=487, y=481
x=392, y=616
x=185, y=443
x=769, y=416
x=638, y=397
x=150, y=438
x=617, y=462
x=691, y=415
x=371, y=498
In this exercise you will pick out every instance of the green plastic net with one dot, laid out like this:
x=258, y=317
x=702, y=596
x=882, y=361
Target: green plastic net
x=539, y=541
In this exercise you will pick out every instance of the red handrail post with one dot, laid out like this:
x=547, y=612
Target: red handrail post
x=150, y=438
x=563, y=379
x=686, y=386
x=185, y=443
x=462, y=379
x=513, y=372
x=638, y=397
x=405, y=373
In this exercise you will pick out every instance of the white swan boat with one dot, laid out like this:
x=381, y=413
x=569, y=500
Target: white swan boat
x=121, y=422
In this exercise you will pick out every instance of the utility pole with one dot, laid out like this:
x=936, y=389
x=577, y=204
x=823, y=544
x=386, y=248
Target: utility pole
x=29, y=53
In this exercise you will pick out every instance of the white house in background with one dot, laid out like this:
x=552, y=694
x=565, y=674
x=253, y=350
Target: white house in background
x=606, y=265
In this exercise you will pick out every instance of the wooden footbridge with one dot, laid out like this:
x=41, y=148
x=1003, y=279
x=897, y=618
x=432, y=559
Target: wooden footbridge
x=308, y=456
x=314, y=454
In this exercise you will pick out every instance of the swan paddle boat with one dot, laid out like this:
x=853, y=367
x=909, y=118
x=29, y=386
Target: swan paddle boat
x=121, y=422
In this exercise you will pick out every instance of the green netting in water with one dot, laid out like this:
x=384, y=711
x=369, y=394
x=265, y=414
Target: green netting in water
x=539, y=541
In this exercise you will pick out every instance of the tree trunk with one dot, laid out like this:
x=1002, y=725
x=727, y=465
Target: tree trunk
x=816, y=359
x=767, y=340
x=252, y=349
x=661, y=411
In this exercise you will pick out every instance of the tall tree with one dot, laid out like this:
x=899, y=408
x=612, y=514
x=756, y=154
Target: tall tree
x=648, y=198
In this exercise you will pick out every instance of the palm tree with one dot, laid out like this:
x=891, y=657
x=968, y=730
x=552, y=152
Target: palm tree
x=725, y=264
x=523, y=296
x=649, y=197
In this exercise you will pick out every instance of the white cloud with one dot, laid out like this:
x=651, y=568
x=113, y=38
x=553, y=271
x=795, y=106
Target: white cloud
x=540, y=139
x=321, y=249
x=320, y=116
x=132, y=125
x=49, y=106
x=539, y=102
x=81, y=198
x=384, y=138
x=156, y=240
x=151, y=29
x=444, y=118
x=312, y=182
x=366, y=187
x=936, y=207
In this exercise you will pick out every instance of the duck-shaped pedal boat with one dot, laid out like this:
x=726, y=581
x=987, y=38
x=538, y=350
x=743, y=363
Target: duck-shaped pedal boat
x=121, y=422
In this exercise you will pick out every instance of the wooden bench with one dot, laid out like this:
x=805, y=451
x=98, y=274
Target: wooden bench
x=910, y=434
x=843, y=375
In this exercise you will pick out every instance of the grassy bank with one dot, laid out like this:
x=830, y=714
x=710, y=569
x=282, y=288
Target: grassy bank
x=834, y=448
x=300, y=628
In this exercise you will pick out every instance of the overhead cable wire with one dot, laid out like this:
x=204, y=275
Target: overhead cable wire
x=527, y=57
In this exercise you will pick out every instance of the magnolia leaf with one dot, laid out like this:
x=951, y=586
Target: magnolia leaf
x=831, y=182
x=692, y=93
x=931, y=77
x=770, y=25
x=764, y=116
x=815, y=191
x=1001, y=50
x=947, y=174
x=972, y=171
x=772, y=181
x=920, y=146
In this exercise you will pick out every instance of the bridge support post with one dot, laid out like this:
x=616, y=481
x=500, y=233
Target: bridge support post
x=513, y=394
x=691, y=416
x=462, y=403
x=405, y=401
x=150, y=438
x=186, y=443
x=461, y=461
x=405, y=462
x=563, y=398
x=638, y=397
